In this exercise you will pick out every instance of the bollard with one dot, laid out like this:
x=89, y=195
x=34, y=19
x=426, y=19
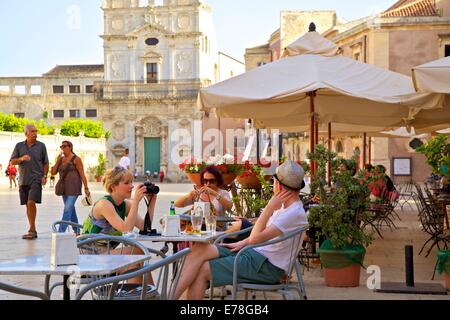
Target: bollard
x=409, y=266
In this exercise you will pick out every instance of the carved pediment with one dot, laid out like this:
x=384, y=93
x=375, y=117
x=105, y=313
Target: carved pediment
x=150, y=30
x=151, y=55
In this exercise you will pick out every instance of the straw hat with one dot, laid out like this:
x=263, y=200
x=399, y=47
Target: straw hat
x=290, y=174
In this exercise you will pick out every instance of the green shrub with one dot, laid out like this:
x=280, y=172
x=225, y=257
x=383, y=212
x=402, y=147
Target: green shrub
x=92, y=129
x=10, y=123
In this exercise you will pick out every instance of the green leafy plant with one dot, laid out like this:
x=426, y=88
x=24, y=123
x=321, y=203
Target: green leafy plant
x=101, y=167
x=437, y=151
x=252, y=203
x=340, y=211
x=92, y=129
x=10, y=123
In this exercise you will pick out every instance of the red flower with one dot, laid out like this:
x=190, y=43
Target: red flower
x=182, y=166
x=223, y=168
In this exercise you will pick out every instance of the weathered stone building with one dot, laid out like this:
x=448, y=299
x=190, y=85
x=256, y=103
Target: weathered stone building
x=156, y=58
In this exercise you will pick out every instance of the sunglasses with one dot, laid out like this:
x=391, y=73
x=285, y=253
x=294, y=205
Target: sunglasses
x=210, y=181
x=64, y=146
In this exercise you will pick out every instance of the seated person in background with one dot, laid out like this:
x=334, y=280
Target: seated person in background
x=389, y=192
x=343, y=168
x=116, y=213
x=266, y=265
x=211, y=180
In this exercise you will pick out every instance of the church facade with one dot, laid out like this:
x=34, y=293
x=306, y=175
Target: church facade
x=156, y=59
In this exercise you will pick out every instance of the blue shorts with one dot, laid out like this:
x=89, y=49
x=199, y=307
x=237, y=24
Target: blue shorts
x=253, y=267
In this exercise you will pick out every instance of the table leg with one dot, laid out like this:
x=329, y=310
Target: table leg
x=66, y=290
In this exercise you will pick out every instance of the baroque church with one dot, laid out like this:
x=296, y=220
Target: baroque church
x=156, y=58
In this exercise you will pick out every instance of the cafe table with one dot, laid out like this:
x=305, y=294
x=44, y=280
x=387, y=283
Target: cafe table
x=89, y=265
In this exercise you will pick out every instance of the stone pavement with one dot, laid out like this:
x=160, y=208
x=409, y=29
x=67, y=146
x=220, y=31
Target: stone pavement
x=387, y=253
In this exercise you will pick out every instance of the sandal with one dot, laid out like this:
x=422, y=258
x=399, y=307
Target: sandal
x=31, y=235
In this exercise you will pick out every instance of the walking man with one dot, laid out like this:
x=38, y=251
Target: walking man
x=32, y=158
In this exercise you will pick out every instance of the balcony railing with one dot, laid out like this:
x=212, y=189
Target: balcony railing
x=167, y=89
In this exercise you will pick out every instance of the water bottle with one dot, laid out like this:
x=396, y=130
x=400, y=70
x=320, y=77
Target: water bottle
x=172, y=209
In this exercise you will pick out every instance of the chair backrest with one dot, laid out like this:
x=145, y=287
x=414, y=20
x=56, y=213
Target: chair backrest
x=111, y=286
x=296, y=236
x=70, y=226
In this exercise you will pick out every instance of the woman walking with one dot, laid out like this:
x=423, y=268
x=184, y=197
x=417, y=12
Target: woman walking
x=71, y=178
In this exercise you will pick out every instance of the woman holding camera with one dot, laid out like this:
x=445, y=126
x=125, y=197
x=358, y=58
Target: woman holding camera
x=115, y=213
x=212, y=181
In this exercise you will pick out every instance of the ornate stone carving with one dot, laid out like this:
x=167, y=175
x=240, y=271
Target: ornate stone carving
x=184, y=22
x=117, y=66
x=152, y=19
x=117, y=24
x=184, y=64
x=119, y=130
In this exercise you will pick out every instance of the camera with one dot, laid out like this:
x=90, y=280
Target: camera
x=151, y=188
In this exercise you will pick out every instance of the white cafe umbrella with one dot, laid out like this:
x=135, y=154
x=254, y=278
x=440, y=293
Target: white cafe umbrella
x=345, y=90
x=433, y=76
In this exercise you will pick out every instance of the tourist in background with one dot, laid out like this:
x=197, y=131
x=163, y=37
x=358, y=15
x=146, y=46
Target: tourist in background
x=32, y=158
x=71, y=178
x=11, y=172
x=125, y=160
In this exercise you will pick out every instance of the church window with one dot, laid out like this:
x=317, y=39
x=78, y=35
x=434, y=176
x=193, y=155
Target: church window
x=58, y=89
x=151, y=41
x=447, y=50
x=152, y=73
x=58, y=113
x=75, y=89
x=91, y=113
x=19, y=115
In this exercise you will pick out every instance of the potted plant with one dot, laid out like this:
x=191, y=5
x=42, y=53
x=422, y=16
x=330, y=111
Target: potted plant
x=437, y=152
x=337, y=219
x=100, y=168
x=225, y=164
x=252, y=203
x=443, y=265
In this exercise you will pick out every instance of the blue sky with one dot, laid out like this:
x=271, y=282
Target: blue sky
x=38, y=34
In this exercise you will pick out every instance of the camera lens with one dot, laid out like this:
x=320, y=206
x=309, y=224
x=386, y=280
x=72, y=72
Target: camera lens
x=151, y=188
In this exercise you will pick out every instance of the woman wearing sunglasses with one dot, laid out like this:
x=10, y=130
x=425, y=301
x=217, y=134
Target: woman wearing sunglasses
x=71, y=173
x=210, y=191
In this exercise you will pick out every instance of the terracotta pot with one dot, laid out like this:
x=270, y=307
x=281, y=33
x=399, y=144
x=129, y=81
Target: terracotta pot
x=249, y=182
x=346, y=277
x=195, y=178
x=447, y=282
x=228, y=178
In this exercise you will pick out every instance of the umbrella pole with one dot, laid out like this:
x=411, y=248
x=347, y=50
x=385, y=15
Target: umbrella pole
x=370, y=151
x=329, y=156
x=364, y=150
x=312, y=135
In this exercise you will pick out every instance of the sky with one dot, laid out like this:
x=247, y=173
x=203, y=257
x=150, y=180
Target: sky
x=35, y=35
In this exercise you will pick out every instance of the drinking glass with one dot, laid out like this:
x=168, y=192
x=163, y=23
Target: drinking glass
x=197, y=220
x=211, y=224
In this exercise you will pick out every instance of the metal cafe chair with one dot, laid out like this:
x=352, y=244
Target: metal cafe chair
x=70, y=226
x=116, y=288
x=103, y=244
x=287, y=284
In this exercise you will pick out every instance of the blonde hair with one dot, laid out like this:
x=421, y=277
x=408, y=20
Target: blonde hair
x=114, y=176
